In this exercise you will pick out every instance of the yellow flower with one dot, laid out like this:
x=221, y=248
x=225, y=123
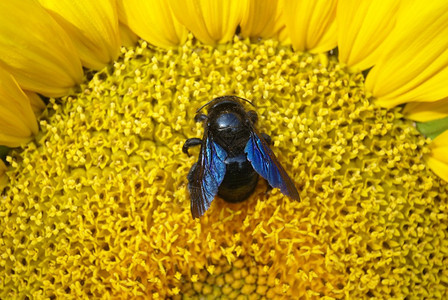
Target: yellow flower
x=97, y=205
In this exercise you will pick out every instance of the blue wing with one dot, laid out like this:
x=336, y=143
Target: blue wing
x=206, y=176
x=265, y=163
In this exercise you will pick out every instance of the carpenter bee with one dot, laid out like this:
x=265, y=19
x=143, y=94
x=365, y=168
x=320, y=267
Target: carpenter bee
x=232, y=156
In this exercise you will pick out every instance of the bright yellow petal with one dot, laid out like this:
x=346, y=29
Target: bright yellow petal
x=92, y=26
x=438, y=158
x=37, y=104
x=283, y=36
x=362, y=29
x=441, y=141
x=36, y=50
x=438, y=167
x=262, y=18
x=127, y=36
x=153, y=21
x=210, y=21
x=17, y=120
x=311, y=24
x=414, y=65
x=426, y=111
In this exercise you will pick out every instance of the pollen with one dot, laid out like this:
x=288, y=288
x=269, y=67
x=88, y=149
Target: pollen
x=97, y=206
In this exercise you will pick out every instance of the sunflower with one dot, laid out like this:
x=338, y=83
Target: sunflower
x=99, y=97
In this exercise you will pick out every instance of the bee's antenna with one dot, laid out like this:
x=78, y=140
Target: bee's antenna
x=222, y=98
x=248, y=101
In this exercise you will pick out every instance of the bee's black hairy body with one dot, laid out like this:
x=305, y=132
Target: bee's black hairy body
x=233, y=155
x=228, y=122
x=238, y=183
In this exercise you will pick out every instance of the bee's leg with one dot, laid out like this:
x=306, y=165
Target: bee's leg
x=253, y=116
x=267, y=138
x=190, y=143
x=200, y=117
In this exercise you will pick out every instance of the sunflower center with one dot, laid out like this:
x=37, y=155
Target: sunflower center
x=98, y=204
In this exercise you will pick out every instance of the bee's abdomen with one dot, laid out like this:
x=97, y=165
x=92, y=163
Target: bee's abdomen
x=240, y=179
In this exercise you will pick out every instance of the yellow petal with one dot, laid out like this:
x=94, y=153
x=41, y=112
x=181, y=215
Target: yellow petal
x=153, y=21
x=362, y=29
x=283, y=36
x=37, y=104
x=311, y=24
x=211, y=21
x=414, y=65
x=35, y=49
x=426, y=111
x=127, y=36
x=18, y=123
x=438, y=158
x=92, y=26
x=3, y=178
x=262, y=18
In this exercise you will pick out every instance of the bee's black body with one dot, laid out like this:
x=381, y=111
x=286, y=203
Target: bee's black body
x=228, y=122
x=232, y=155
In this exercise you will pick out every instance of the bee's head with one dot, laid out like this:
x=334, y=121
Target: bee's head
x=227, y=118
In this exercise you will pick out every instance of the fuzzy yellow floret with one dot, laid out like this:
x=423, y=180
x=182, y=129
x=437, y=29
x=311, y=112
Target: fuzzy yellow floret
x=98, y=205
